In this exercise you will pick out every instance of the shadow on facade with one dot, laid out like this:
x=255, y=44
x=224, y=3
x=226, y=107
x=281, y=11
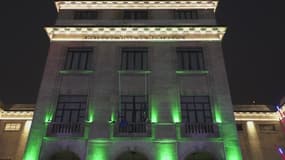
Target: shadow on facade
x=64, y=155
x=131, y=155
x=200, y=156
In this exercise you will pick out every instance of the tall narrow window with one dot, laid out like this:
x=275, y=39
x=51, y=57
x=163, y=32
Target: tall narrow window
x=78, y=58
x=134, y=58
x=196, y=109
x=85, y=14
x=71, y=109
x=134, y=109
x=186, y=14
x=190, y=58
x=135, y=14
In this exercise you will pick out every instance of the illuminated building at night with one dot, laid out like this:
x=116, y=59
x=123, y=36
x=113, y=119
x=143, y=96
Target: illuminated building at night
x=134, y=80
x=15, y=123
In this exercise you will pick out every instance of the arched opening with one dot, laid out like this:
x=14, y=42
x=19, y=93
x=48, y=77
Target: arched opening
x=64, y=155
x=131, y=155
x=200, y=156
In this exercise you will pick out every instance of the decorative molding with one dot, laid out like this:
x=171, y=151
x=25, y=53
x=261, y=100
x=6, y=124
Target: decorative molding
x=136, y=5
x=256, y=116
x=209, y=33
x=16, y=115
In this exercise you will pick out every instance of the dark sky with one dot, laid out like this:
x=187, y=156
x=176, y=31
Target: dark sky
x=253, y=49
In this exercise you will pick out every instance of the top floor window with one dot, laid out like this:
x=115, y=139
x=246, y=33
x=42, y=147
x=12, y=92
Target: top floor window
x=190, y=58
x=77, y=58
x=134, y=58
x=85, y=14
x=186, y=14
x=135, y=14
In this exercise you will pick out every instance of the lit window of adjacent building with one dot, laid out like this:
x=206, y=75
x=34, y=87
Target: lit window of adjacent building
x=186, y=14
x=71, y=109
x=134, y=109
x=12, y=127
x=267, y=127
x=85, y=14
x=135, y=14
x=190, y=58
x=196, y=109
x=78, y=58
x=134, y=58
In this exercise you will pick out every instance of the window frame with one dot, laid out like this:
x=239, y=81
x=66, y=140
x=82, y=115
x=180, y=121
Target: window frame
x=135, y=14
x=63, y=110
x=74, y=63
x=128, y=53
x=85, y=15
x=190, y=59
x=188, y=111
x=186, y=14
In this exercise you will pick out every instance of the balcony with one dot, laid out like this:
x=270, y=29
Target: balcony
x=133, y=129
x=65, y=129
x=203, y=130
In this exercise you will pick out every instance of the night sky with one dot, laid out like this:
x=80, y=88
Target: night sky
x=253, y=49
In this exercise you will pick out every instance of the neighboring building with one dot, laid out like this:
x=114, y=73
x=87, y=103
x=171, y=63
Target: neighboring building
x=139, y=79
x=260, y=132
x=15, y=123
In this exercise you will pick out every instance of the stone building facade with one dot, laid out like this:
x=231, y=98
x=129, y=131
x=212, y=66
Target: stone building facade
x=15, y=123
x=139, y=79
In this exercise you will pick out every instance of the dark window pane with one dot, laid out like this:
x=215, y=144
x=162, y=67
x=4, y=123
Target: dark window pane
x=190, y=58
x=77, y=58
x=85, y=14
x=134, y=58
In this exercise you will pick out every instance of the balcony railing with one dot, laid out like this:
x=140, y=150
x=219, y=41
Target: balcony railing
x=65, y=129
x=133, y=129
x=199, y=130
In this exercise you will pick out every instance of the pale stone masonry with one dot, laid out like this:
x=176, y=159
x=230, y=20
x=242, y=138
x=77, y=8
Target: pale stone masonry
x=140, y=79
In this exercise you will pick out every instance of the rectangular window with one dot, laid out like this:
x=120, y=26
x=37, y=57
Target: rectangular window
x=134, y=109
x=77, y=58
x=134, y=58
x=135, y=14
x=85, y=14
x=186, y=14
x=196, y=109
x=267, y=127
x=190, y=58
x=12, y=127
x=71, y=109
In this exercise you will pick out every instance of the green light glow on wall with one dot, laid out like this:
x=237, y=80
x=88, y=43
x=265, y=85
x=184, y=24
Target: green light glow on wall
x=166, y=151
x=49, y=114
x=113, y=118
x=97, y=151
x=90, y=113
x=231, y=142
x=154, y=111
x=175, y=111
x=33, y=146
x=218, y=115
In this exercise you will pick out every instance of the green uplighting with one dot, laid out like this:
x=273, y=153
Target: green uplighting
x=175, y=111
x=48, y=115
x=218, y=115
x=113, y=119
x=192, y=72
x=76, y=71
x=97, y=151
x=154, y=112
x=231, y=142
x=166, y=151
x=33, y=146
x=90, y=113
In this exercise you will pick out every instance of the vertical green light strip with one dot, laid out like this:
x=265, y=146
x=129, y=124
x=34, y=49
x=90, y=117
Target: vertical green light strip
x=218, y=115
x=175, y=110
x=154, y=111
x=166, y=151
x=97, y=151
x=90, y=113
x=231, y=143
x=49, y=114
x=34, y=143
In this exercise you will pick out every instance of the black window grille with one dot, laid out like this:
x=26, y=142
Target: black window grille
x=85, y=14
x=134, y=58
x=186, y=14
x=135, y=14
x=71, y=109
x=134, y=109
x=196, y=109
x=190, y=58
x=77, y=58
